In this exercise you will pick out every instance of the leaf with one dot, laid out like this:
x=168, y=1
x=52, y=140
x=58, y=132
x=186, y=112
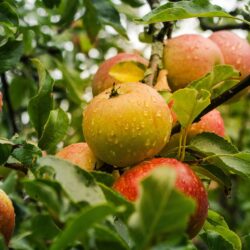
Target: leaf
x=214, y=173
x=2, y=243
x=40, y=105
x=222, y=153
x=54, y=130
x=68, y=9
x=74, y=84
x=100, y=13
x=44, y=228
x=10, y=54
x=133, y=3
x=187, y=112
x=118, y=201
x=216, y=223
x=8, y=22
x=161, y=211
x=120, y=71
x=103, y=177
x=81, y=223
x=5, y=151
x=185, y=9
x=27, y=153
x=77, y=183
x=41, y=190
x=51, y=3
x=106, y=239
x=9, y=184
x=219, y=74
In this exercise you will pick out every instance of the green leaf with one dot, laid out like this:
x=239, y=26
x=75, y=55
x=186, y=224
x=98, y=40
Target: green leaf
x=51, y=3
x=41, y=190
x=2, y=243
x=197, y=101
x=214, y=173
x=216, y=223
x=44, y=228
x=117, y=200
x=27, y=153
x=222, y=153
x=74, y=84
x=219, y=74
x=67, y=11
x=77, y=183
x=185, y=9
x=10, y=54
x=103, y=177
x=5, y=151
x=133, y=3
x=54, y=130
x=40, y=105
x=100, y=13
x=106, y=239
x=81, y=223
x=9, y=183
x=161, y=211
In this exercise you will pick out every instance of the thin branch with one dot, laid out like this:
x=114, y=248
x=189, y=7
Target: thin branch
x=8, y=103
x=17, y=166
x=208, y=26
x=227, y=95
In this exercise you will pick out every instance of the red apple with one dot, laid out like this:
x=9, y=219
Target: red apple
x=103, y=80
x=7, y=216
x=186, y=182
x=127, y=124
x=80, y=155
x=189, y=57
x=235, y=50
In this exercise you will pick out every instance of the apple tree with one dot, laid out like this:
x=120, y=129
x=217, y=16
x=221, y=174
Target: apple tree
x=124, y=124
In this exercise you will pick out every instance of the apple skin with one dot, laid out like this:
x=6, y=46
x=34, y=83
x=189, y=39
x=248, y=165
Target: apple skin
x=186, y=181
x=7, y=218
x=188, y=58
x=125, y=129
x=236, y=51
x=102, y=80
x=80, y=155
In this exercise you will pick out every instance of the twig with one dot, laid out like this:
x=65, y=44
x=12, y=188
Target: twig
x=207, y=26
x=8, y=102
x=157, y=46
x=227, y=95
x=17, y=166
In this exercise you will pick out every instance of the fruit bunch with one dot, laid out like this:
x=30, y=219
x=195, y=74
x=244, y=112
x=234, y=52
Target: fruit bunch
x=128, y=124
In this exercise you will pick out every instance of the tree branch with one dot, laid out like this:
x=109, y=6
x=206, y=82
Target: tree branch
x=17, y=166
x=6, y=96
x=227, y=95
x=157, y=46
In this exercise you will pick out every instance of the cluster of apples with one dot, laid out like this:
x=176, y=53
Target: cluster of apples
x=127, y=124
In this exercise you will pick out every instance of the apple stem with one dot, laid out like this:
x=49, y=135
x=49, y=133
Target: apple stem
x=224, y=97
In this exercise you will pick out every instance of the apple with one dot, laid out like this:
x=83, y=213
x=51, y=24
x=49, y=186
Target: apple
x=103, y=80
x=7, y=218
x=127, y=124
x=188, y=58
x=236, y=51
x=80, y=155
x=186, y=182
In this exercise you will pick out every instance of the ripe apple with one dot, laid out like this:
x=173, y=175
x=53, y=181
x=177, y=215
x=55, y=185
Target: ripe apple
x=80, y=155
x=103, y=80
x=236, y=51
x=189, y=57
x=186, y=182
x=127, y=124
x=7, y=218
